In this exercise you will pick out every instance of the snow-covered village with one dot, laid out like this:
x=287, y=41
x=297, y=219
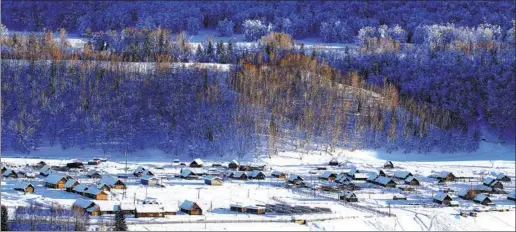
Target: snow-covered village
x=258, y=116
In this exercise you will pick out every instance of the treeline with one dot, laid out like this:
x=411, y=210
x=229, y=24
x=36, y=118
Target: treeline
x=334, y=21
x=35, y=217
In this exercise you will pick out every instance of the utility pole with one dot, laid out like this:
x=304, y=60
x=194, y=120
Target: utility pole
x=125, y=153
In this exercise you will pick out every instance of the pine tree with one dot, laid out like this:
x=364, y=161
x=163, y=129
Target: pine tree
x=5, y=226
x=120, y=222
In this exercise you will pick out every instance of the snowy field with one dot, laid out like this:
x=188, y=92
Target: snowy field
x=417, y=213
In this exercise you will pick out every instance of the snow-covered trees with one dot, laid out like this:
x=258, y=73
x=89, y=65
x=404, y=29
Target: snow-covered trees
x=193, y=25
x=336, y=31
x=225, y=27
x=255, y=29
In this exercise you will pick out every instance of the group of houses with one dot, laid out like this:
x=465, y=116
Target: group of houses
x=241, y=175
x=145, y=209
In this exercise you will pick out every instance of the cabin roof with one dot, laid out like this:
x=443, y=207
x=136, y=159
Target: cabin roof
x=22, y=185
x=107, y=205
x=8, y=172
x=410, y=178
x=372, y=177
x=187, y=172
x=444, y=174
x=54, y=178
x=500, y=175
x=388, y=162
x=139, y=169
x=512, y=194
x=383, y=180
x=277, y=173
x=293, y=177
x=83, y=203
x=94, y=190
x=402, y=174
x=198, y=161
x=255, y=173
x=489, y=180
x=110, y=180
x=480, y=197
x=69, y=183
x=327, y=174
x=441, y=196
x=238, y=174
x=234, y=162
x=186, y=205
x=80, y=187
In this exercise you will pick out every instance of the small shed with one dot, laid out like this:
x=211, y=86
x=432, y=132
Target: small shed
x=237, y=208
x=482, y=199
x=333, y=162
x=197, y=163
x=442, y=198
x=70, y=184
x=385, y=182
x=278, y=174
x=446, y=176
x=327, y=175
x=10, y=173
x=402, y=175
x=238, y=175
x=256, y=175
x=412, y=180
x=94, y=174
x=55, y=181
x=233, y=164
x=95, y=193
x=502, y=177
x=24, y=187
x=255, y=209
x=190, y=208
x=512, y=196
x=213, y=180
x=149, y=180
x=348, y=196
x=113, y=182
x=388, y=164
x=80, y=189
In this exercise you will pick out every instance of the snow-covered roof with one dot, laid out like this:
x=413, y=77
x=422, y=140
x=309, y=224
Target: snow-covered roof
x=277, y=173
x=107, y=205
x=489, y=180
x=372, y=177
x=8, y=172
x=399, y=195
x=148, y=208
x=45, y=168
x=93, y=208
x=327, y=174
x=361, y=175
x=147, y=172
x=83, y=203
x=293, y=177
x=463, y=192
x=388, y=162
x=238, y=174
x=444, y=174
x=187, y=205
x=139, y=169
x=480, y=197
x=235, y=162
x=255, y=173
x=94, y=190
x=482, y=187
x=402, y=174
x=410, y=178
x=512, y=194
x=69, y=183
x=255, y=207
x=198, y=161
x=454, y=203
x=347, y=194
x=353, y=171
x=187, y=172
x=212, y=178
x=80, y=187
x=54, y=178
x=109, y=180
x=500, y=175
x=383, y=180
x=22, y=185
x=441, y=195
x=91, y=172
x=127, y=206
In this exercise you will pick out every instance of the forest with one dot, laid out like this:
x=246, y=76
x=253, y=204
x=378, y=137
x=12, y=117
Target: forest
x=430, y=80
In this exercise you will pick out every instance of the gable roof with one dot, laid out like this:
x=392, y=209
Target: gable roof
x=54, y=178
x=410, y=178
x=187, y=172
x=500, y=175
x=255, y=173
x=8, y=172
x=441, y=196
x=139, y=169
x=512, y=194
x=148, y=208
x=277, y=173
x=110, y=180
x=353, y=171
x=383, y=180
x=45, y=168
x=83, y=203
x=22, y=185
x=372, y=177
x=93, y=190
x=388, y=162
x=186, y=205
x=444, y=174
x=80, y=188
x=238, y=174
x=198, y=161
x=327, y=174
x=402, y=174
x=212, y=178
x=489, y=180
x=69, y=183
x=147, y=172
x=480, y=197
x=293, y=177
x=234, y=162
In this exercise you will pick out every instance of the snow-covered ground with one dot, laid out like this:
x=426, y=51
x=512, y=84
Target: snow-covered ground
x=489, y=160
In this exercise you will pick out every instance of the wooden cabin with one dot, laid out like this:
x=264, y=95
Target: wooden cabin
x=70, y=184
x=93, y=175
x=342, y=178
x=103, y=186
x=492, y=183
x=113, y=182
x=255, y=209
x=256, y=175
x=10, y=173
x=238, y=175
x=295, y=179
x=278, y=174
x=214, y=181
x=411, y=180
x=233, y=164
x=503, y=178
x=482, y=199
x=446, y=176
x=388, y=164
x=148, y=210
x=81, y=205
x=333, y=162
x=402, y=175
x=149, y=180
x=80, y=189
x=385, y=182
x=467, y=194
x=190, y=207
x=237, y=208
x=24, y=187
x=96, y=194
x=328, y=176
x=55, y=181
x=348, y=196
x=442, y=198
x=197, y=163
